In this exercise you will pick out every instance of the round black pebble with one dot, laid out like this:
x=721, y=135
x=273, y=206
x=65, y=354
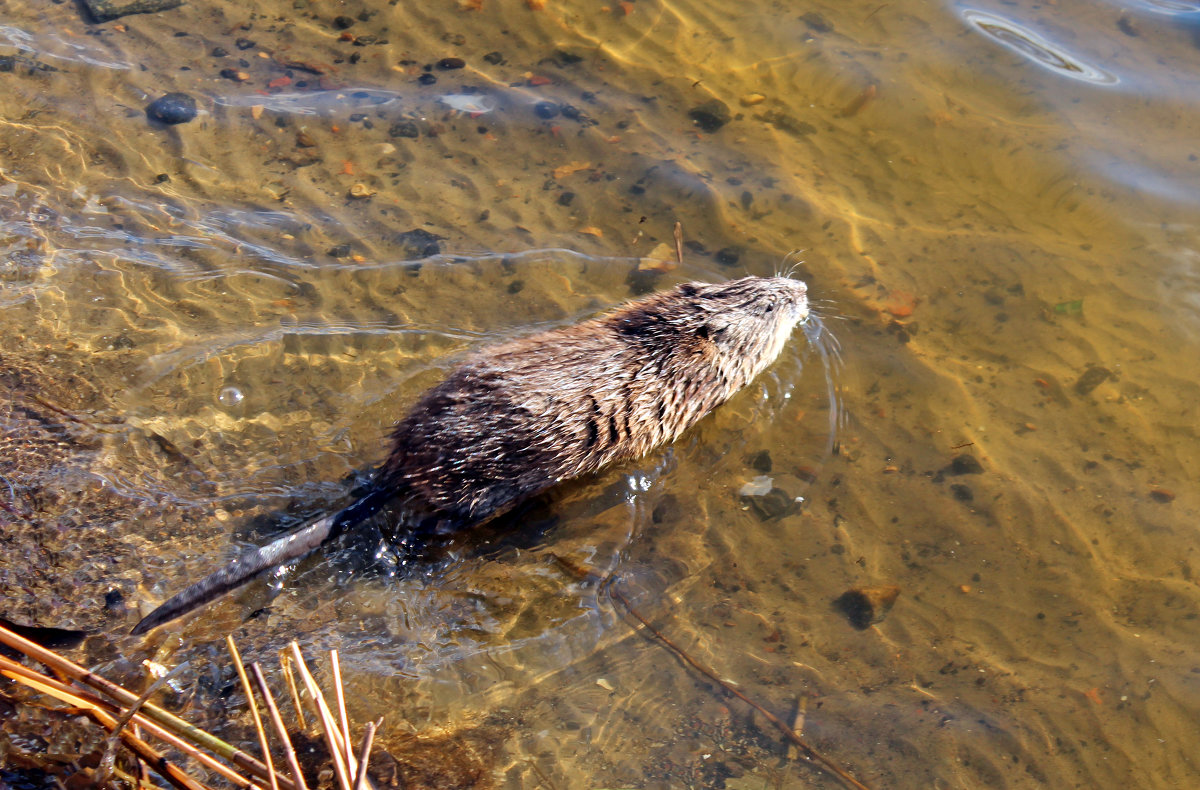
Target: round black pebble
x=172, y=109
x=219, y=52
x=449, y=64
x=546, y=109
x=427, y=79
x=343, y=22
x=243, y=43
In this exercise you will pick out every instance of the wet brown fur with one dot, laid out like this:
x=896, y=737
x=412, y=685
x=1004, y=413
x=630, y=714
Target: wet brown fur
x=522, y=416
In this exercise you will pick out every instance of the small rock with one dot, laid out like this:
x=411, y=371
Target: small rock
x=8, y=62
x=1092, y=378
x=816, y=23
x=235, y=75
x=360, y=191
x=751, y=99
x=340, y=251
x=105, y=10
x=711, y=115
x=343, y=22
x=964, y=464
x=565, y=198
x=243, y=43
x=774, y=504
x=729, y=256
x=427, y=79
x=866, y=606
x=304, y=140
x=546, y=109
x=219, y=52
x=449, y=64
x=494, y=58
x=420, y=243
x=404, y=129
x=761, y=462
x=173, y=108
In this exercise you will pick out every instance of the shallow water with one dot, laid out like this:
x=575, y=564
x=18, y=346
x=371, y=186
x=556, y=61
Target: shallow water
x=996, y=204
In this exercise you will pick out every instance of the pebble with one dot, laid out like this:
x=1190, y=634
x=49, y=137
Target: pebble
x=219, y=52
x=774, y=504
x=305, y=140
x=420, y=243
x=404, y=129
x=751, y=99
x=866, y=606
x=427, y=79
x=546, y=109
x=235, y=75
x=449, y=64
x=360, y=191
x=106, y=10
x=1092, y=378
x=729, y=256
x=711, y=115
x=964, y=465
x=243, y=43
x=343, y=22
x=494, y=58
x=173, y=108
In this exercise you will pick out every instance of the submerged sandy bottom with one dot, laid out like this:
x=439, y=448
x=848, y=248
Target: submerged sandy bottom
x=210, y=326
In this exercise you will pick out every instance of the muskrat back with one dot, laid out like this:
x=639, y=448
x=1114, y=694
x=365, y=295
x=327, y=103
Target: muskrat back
x=519, y=417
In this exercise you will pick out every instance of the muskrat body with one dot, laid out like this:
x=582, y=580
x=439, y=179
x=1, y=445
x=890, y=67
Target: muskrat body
x=519, y=417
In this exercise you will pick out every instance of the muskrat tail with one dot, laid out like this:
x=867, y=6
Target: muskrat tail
x=292, y=546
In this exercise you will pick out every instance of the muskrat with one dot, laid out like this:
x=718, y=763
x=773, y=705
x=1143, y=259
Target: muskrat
x=519, y=417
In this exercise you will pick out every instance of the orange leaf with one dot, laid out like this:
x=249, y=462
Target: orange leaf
x=563, y=171
x=592, y=230
x=347, y=167
x=280, y=82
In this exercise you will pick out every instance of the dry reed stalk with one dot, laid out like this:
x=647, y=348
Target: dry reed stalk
x=262, y=735
x=337, y=750
x=277, y=720
x=364, y=755
x=152, y=712
x=166, y=769
x=61, y=691
x=285, y=663
x=336, y=669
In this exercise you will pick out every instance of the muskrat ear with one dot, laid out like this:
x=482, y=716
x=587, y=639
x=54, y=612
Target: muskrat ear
x=687, y=289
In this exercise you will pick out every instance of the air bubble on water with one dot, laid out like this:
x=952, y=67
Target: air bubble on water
x=230, y=397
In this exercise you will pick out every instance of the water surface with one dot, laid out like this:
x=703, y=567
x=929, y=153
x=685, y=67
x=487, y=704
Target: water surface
x=210, y=327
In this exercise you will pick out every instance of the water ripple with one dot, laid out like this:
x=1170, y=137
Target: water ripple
x=1035, y=48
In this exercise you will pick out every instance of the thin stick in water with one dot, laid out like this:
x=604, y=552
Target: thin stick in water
x=341, y=701
x=285, y=663
x=337, y=750
x=277, y=720
x=262, y=734
x=364, y=754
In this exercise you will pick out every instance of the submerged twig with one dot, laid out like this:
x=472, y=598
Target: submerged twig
x=609, y=583
x=108, y=760
x=788, y=732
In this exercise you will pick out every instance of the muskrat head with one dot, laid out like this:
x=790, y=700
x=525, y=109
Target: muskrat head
x=749, y=319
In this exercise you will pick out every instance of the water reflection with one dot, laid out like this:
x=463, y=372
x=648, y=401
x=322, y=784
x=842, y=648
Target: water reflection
x=1037, y=49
